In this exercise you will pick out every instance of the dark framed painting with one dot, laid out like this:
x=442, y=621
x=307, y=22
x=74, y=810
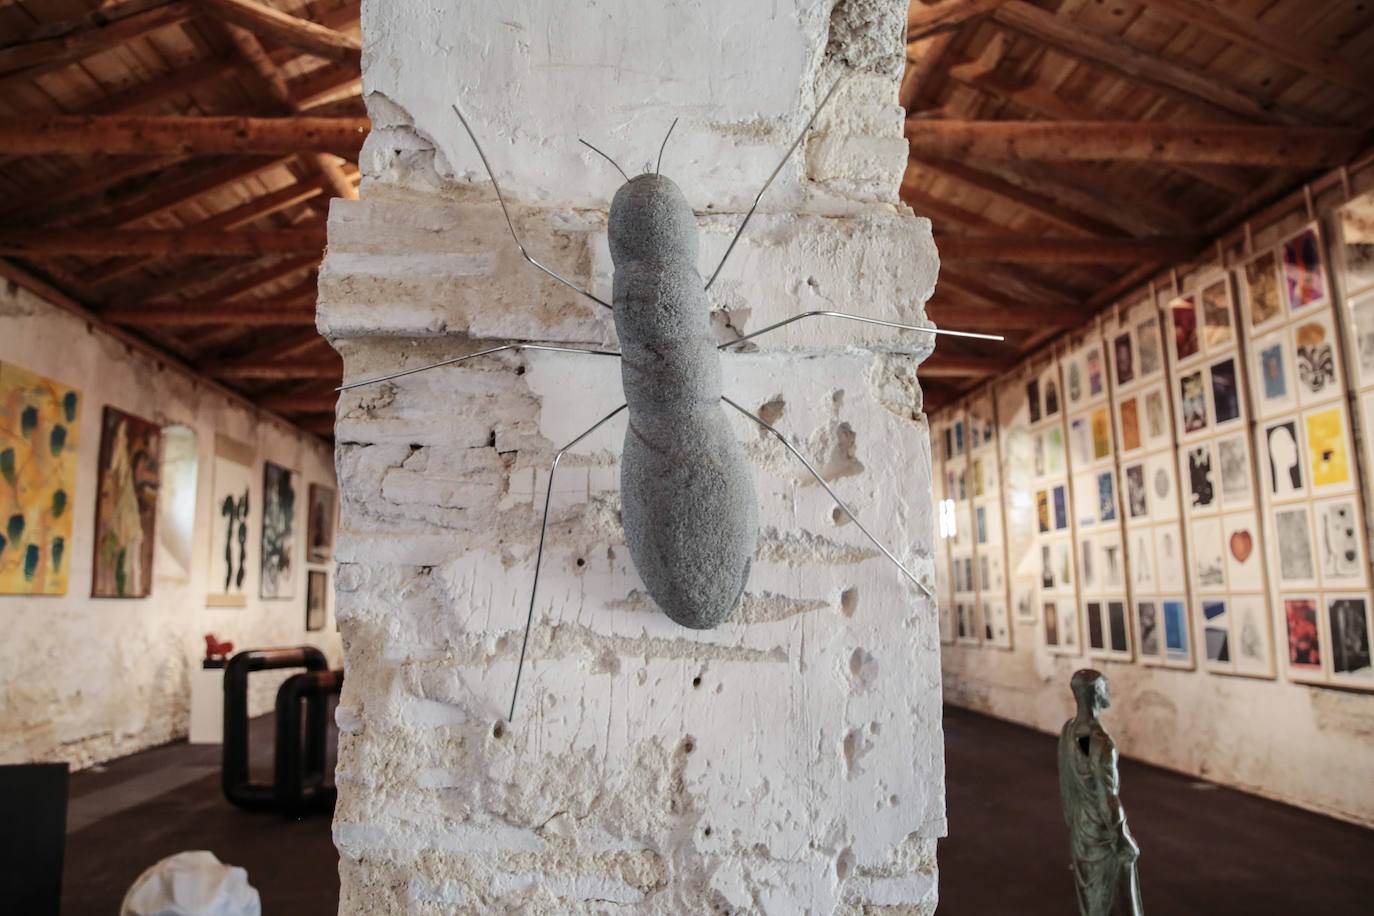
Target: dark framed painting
x=320, y=525
x=316, y=599
x=279, y=489
x=128, y=476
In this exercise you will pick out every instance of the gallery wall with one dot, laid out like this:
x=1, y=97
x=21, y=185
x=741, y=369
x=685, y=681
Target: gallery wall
x=1183, y=489
x=85, y=679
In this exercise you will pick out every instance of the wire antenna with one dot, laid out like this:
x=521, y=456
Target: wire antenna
x=658, y=166
x=886, y=324
x=506, y=213
x=604, y=156
x=790, y=150
x=459, y=359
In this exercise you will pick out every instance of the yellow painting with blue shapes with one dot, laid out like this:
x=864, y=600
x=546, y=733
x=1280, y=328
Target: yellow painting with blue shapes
x=40, y=424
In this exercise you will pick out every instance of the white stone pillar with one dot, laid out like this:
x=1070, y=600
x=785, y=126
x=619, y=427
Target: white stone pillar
x=788, y=761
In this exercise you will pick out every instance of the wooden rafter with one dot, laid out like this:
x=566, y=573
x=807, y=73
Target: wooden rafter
x=1087, y=141
x=235, y=287
x=296, y=307
x=250, y=243
x=283, y=28
x=252, y=368
x=180, y=135
x=1028, y=249
x=301, y=403
x=1200, y=90
x=924, y=20
x=99, y=31
x=1034, y=203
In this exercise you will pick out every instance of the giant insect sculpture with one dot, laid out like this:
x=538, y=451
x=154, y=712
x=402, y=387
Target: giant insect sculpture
x=687, y=498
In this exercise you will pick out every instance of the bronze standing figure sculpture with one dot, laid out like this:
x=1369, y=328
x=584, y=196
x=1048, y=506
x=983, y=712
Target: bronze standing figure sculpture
x=1103, y=851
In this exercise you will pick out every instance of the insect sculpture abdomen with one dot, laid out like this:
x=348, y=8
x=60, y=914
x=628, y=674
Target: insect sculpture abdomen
x=687, y=497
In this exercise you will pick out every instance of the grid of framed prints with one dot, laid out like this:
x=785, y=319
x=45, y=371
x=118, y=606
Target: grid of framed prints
x=1319, y=564
x=945, y=526
x=1142, y=414
x=1097, y=508
x=986, y=496
x=1226, y=563
x=1057, y=585
x=963, y=582
x=1019, y=524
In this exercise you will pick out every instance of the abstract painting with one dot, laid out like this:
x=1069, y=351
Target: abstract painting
x=1349, y=637
x=1130, y=425
x=1316, y=358
x=1175, y=631
x=1304, y=643
x=1302, y=269
x=1326, y=448
x=1193, y=402
x=1285, y=470
x=1184, y=315
x=278, y=531
x=1262, y=288
x=40, y=424
x=1357, y=242
x=1216, y=315
x=129, y=474
x=233, y=505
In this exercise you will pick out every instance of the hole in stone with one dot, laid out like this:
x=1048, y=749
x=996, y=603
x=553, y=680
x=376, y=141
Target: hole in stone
x=581, y=562
x=491, y=439
x=849, y=600
x=813, y=283
x=688, y=745
x=844, y=863
x=519, y=370
x=875, y=728
x=893, y=800
x=501, y=644
x=772, y=411
x=498, y=730
x=696, y=681
x=839, y=516
x=707, y=831
x=837, y=397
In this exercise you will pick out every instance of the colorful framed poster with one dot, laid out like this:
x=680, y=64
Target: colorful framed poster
x=40, y=431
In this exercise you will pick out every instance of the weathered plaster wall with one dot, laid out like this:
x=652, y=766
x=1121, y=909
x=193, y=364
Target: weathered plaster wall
x=87, y=679
x=790, y=760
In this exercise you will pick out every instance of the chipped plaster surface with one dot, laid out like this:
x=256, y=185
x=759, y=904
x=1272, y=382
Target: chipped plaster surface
x=788, y=761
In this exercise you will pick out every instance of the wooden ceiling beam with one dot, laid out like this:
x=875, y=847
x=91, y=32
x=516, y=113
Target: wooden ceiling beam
x=93, y=182
x=1047, y=104
x=1039, y=250
x=101, y=30
x=953, y=310
x=168, y=195
x=957, y=365
x=921, y=65
x=300, y=403
x=1323, y=62
x=929, y=206
x=296, y=307
x=180, y=135
x=1080, y=141
x=320, y=426
x=290, y=346
x=242, y=215
x=283, y=28
x=1037, y=204
x=176, y=243
x=327, y=368
x=1008, y=287
x=926, y=19
x=240, y=284
x=1195, y=88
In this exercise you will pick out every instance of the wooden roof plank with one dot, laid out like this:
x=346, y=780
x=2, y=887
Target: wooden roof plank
x=180, y=135
x=283, y=28
x=248, y=243
x=99, y=31
x=1064, y=251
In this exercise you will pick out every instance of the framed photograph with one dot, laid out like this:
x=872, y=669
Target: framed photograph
x=1340, y=543
x=1209, y=560
x=316, y=591
x=128, y=475
x=1356, y=221
x=1061, y=508
x=1123, y=358
x=1157, y=430
x=1283, y=459
x=1137, y=494
x=1149, y=353
x=1233, y=471
x=1169, y=553
x=1216, y=634
x=1141, y=556
x=1241, y=545
x=1225, y=392
x=1106, y=496
x=1295, y=561
x=1097, y=373
x=1361, y=313
x=1202, y=481
x=320, y=537
x=1215, y=298
x=1177, y=648
x=1304, y=637
x=1252, y=644
x=1063, y=566
x=1262, y=295
x=1304, y=278
x=280, y=488
x=1349, y=626
x=1160, y=474
x=1274, y=378
x=1128, y=424
x=1328, y=453
x=1184, y=322
x=1192, y=402
x=1033, y=399
x=1316, y=357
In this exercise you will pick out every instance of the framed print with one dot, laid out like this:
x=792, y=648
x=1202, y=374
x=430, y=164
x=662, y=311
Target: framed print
x=1123, y=358
x=1160, y=474
x=1241, y=546
x=315, y=596
x=1215, y=298
x=231, y=526
x=1176, y=644
x=1202, y=483
x=1328, y=456
x=1080, y=442
x=1339, y=541
x=1225, y=392
x=1097, y=373
x=1356, y=221
x=1283, y=459
x=1075, y=379
x=1137, y=494
x=1183, y=320
x=1216, y=633
x=128, y=476
x=1252, y=646
x=1106, y=496
x=1156, y=430
x=1169, y=553
x=320, y=525
x=1128, y=417
x=1274, y=372
x=1349, y=625
x=1304, y=637
x=1294, y=560
x=1316, y=359
x=1209, y=562
x=1149, y=353
x=1233, y=471
x=280, y=489
x=1192, y=402
x=1141, y=557
x=1261, y=293
x=1303, y=276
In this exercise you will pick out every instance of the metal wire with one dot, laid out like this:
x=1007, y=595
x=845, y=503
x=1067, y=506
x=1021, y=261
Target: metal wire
x=502, y=201
x=839, y=502
x=663, y=146
x=606, y=157
x=459, y=359
x=886, y=324
x=539, y=555
x=790, y=150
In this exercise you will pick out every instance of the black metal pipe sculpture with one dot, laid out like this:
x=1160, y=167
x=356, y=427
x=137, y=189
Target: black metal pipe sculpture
x=234, y=780
x=300, y=765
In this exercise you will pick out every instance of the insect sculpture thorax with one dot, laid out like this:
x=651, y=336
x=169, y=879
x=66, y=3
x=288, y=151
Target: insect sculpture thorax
x=687, y=496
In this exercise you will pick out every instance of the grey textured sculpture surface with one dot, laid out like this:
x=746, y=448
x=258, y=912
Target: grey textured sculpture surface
x=687, y=497
x=1102, y=849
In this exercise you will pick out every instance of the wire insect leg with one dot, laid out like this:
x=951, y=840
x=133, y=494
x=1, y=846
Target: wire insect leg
x=510, y=225
x=839, y=502
x=459, y=359
x=539, y=554
x=886, y=324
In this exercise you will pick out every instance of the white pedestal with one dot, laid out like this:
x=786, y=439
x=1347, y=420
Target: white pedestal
x=207, y=706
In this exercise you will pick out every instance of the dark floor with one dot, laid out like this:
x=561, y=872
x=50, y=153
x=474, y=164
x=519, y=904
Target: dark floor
x=1204, y=849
